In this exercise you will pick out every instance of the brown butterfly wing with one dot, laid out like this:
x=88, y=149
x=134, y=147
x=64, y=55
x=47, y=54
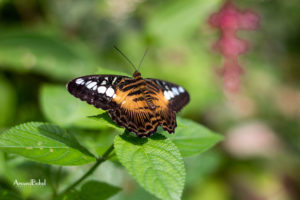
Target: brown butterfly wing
x=171, y=99
x=97, y=90
x=176, y=95
x=134, y=112
x=144, y=105
x=139, y=105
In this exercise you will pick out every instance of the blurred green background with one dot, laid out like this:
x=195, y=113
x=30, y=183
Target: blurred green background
x=44, y=44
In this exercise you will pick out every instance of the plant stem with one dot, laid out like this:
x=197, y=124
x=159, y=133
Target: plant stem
x=100, y=160
x=51, y=181
x=57, y=177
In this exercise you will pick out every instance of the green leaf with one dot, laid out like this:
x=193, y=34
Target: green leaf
x=167, y=30
x=154, y=162
x=9, y=195
x=46, y=143
x=192, y=138
x=72, y=195
x=7, y=102
x=95, y=190
x=91, y=190
x=105, y=119
x=44, y=53
x=112, y=72
x=61, y=108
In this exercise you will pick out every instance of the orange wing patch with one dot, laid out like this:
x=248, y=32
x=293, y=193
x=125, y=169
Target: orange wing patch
x=136, y=115
x=140, y=105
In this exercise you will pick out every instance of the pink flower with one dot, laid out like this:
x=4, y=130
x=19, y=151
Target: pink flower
x=231, y=72
x=230, y=46
x=229, y=20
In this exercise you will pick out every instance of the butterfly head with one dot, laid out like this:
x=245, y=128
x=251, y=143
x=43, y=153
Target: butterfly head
x=136, y=74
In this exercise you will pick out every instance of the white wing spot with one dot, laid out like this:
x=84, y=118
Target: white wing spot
x=95, y=87
x=110, y=92
x=175, y=91
x=167, y=87
x=79, y=81
x=92, y=84
x=167, y=95
x=171, y=94
x=106, y=78
x=103, y=82
x=114, y=80
x=87, y=83
x=181, y=90
x=101, y=89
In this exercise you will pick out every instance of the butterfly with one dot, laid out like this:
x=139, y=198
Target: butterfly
x=137, y=104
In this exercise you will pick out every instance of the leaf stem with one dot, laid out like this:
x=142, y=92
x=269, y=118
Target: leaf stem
x=100, y=160
x=49, y=170
x=57, y=177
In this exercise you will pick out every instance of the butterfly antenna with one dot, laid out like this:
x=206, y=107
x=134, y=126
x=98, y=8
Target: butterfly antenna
x=146, y=51
x=116, y=48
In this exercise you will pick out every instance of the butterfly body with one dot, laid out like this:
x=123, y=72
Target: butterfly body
x=140, y=105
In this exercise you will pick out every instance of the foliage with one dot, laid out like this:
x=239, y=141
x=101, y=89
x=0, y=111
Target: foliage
x=44, y=53
x=191, y=138
x=156, y=162
x=63, y=109
x=44, y=131
x=44, y=142
x=7, y=101
x=55, y=145
x=93, y=190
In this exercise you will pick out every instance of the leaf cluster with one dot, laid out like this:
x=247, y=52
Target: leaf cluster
x=156, y=163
